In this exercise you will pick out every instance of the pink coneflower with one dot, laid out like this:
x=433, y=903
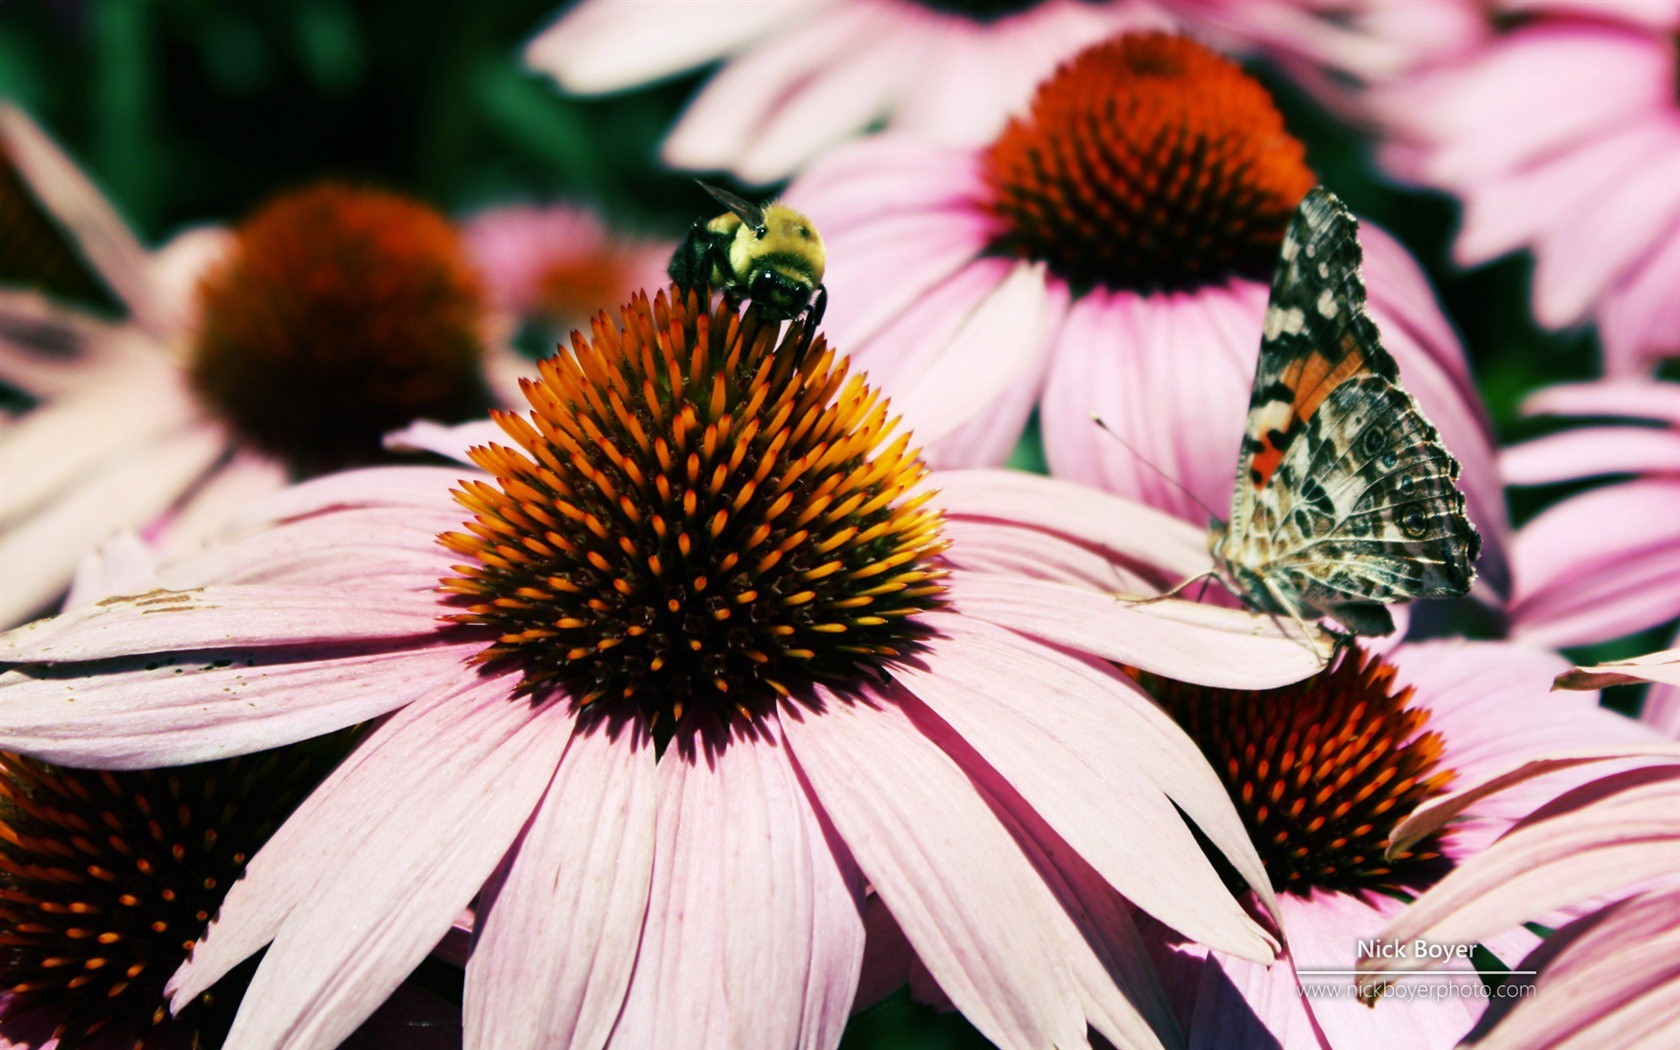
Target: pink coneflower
x=1109, y=254
x=559, y=264
x=1558, y=136
x=1322, y=773
x=700, y=669
x=1606, y=848
x=239, y=359
x=1606, y=562
x=801, y=77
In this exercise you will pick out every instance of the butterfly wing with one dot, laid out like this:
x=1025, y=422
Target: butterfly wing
x=1345, y=498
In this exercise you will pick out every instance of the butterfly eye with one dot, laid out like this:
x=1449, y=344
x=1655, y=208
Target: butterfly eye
x=1412, y=521
x=1374, y=440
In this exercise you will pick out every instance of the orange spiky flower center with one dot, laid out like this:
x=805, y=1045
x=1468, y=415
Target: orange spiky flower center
x=342, y=314
x=1321, y=772
x=1147, y=162
x=107, y=879
x=699, y=510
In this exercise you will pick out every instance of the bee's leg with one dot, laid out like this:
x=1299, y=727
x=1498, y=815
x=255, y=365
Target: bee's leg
x=819, y=303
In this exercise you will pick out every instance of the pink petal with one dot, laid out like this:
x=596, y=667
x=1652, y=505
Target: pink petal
x=755, y=933
x=1323, y=933
x=451, y=783
x=559, y=926
x=922, y=329
x=1572, y=266
x=1661, y=667
x=60, y=444
x=149, y=711
x=598, y=47
x=74, y=203
x=420, y=487
x=1509, y=212
x=1118, y=990
x=1098, y=761
x=829, y=105
x=1173, y=638
x=219, y=617
x=991, y=349
x=452, y=442
x=48, y=350
x=1170, y=374
x=887, y=956
x=1611, y=834
x=1610, y=979
x=1125, y=530
x=1635, y=398
x=1585, y=565
x=38, y=554
x=1433, y=816
x=979, y=917
x=246, y=479
x=1636, y=321
x=890, y=176
x=721, y=122
x=991, y=546
x=125, y=565
x=1590, y=451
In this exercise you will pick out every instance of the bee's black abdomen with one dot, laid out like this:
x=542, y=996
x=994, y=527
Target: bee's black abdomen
x=694, y=262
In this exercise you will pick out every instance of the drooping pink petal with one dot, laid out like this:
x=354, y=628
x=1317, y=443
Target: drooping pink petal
x=1051, y=728
x=1636, y=323
x=384, y=892
x=1490, y=701
x=221, y=618
x=744, y=880
x=921, y=329
x=1661, y=667
x=1614, y=833
x=601, y=47
x=74, y=203
x=1610, y=979
x=155, y=710
x=1174, y=638
x=561, y=921
x=1324, y=933
x=1585, y=565
x=979, y=917
x=1118, y=990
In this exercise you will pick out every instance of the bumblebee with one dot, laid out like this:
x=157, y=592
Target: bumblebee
x=769, y=254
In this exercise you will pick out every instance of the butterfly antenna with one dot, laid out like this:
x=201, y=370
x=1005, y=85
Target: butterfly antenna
x=1168, y=478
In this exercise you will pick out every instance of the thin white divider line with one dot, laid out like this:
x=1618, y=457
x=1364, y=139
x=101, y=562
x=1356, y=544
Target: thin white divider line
x=1391, y=973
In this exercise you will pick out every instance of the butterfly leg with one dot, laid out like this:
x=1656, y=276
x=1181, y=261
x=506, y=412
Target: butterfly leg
x=1309, y=637
x=1178, y=588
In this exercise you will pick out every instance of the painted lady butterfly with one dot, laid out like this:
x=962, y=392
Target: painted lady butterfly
x=1345, y=499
